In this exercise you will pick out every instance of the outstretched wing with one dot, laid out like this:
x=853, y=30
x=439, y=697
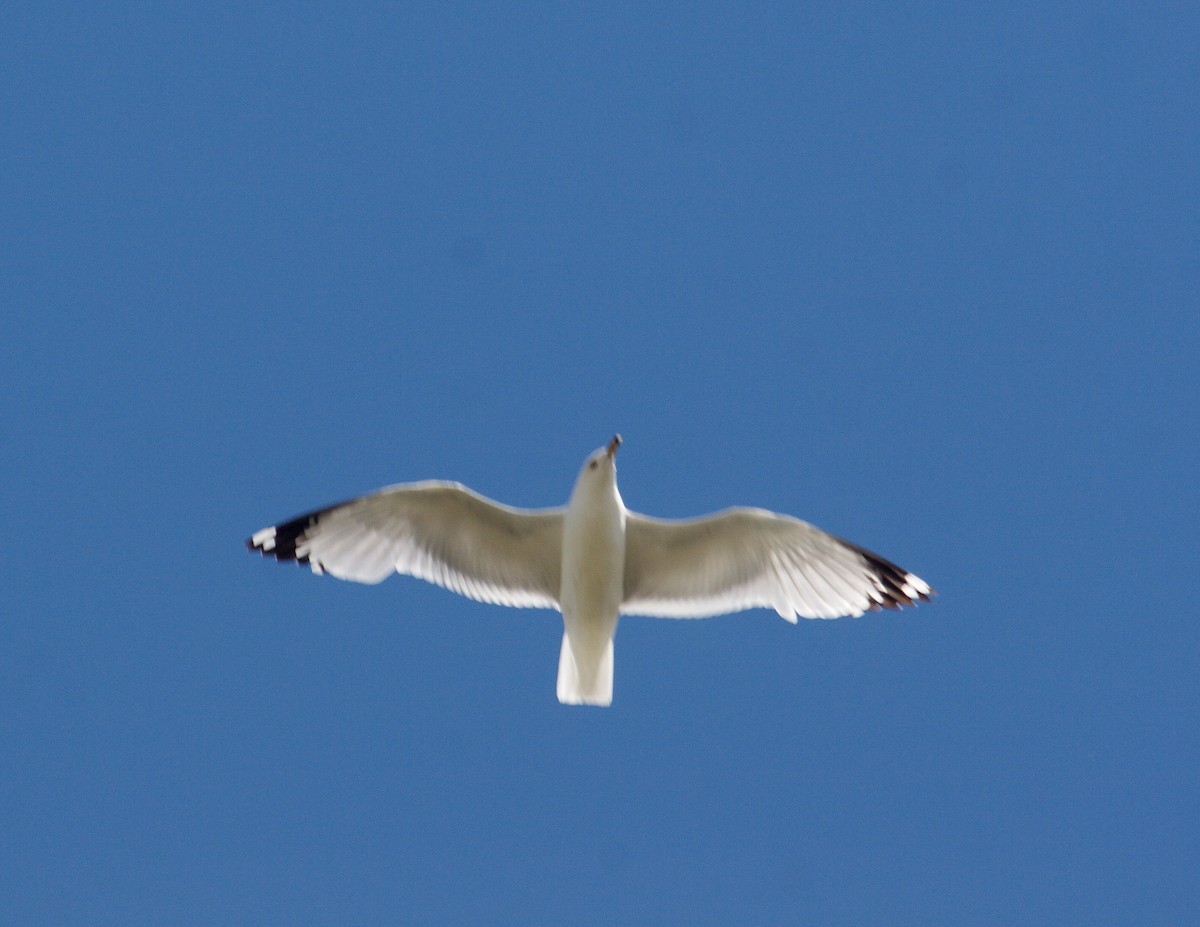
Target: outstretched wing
x=747, y=558
x=437, y=531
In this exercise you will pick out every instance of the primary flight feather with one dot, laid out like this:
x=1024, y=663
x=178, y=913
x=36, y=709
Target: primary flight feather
x=592, y=560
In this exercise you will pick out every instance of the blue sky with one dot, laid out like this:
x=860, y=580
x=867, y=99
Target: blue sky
x=925, y=276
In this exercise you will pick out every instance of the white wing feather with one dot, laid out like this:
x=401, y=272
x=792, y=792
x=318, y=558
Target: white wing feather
x=437, y=531
x=749, y=558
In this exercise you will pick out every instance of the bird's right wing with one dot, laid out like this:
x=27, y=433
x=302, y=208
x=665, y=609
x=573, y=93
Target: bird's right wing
x=437, y=531
x=748, y=558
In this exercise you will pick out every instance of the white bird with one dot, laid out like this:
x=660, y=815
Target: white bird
x=592, y=560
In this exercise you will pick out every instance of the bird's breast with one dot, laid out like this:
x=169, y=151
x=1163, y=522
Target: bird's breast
x=593, y=561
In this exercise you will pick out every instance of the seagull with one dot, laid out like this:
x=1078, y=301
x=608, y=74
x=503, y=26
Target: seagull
x=593, y=560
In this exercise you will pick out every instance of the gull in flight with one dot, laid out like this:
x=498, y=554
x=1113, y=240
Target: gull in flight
x=593, y=560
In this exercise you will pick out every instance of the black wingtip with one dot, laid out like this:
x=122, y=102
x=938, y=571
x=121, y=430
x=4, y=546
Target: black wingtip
x=282, y=541
x=895, y=586
x=290, y=534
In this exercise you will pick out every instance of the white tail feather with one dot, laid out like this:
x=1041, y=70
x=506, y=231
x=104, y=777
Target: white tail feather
x=585, y=678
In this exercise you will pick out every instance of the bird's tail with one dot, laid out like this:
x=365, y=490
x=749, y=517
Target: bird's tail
x=585, y=674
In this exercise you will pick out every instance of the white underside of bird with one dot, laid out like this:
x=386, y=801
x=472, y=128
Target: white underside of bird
x=593, y=560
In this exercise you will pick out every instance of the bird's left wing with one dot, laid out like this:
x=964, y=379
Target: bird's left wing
x=749, y=558
x=437, y=531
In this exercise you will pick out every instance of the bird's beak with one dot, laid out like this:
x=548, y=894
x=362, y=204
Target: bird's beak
x=613, y=445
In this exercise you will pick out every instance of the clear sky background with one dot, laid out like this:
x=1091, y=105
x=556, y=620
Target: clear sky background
x=925, y=276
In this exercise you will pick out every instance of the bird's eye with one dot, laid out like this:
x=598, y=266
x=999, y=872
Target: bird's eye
x=592, y=465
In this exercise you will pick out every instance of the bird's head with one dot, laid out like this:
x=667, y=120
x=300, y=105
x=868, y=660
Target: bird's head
x=600, y=468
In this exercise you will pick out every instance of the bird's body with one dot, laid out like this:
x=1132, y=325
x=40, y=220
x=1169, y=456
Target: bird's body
x=592, y=560
x=593, y=574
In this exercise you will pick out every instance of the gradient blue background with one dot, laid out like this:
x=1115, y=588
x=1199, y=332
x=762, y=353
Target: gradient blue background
x=925, y=276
